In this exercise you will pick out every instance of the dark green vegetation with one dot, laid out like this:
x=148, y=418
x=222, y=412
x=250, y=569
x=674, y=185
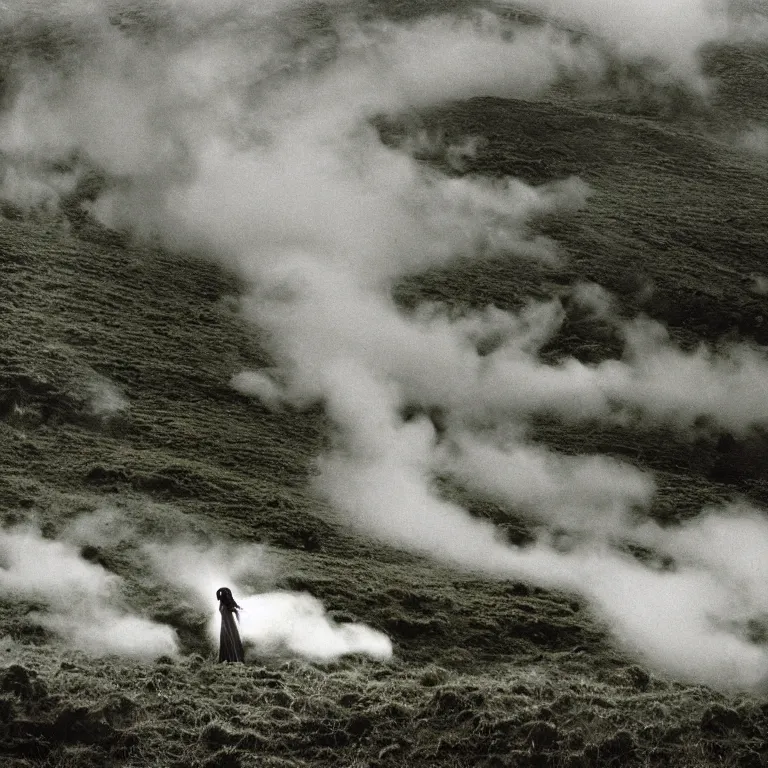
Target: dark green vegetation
x=485, y=673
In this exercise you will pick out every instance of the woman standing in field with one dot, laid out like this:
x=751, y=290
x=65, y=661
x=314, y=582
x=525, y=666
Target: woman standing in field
x=230, y=646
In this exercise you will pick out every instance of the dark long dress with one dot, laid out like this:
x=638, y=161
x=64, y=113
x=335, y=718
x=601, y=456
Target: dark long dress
x=230, y=645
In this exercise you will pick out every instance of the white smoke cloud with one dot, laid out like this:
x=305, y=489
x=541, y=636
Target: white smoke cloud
x=672, y=32
x=440, y=58
x=381, y=480
x=203, y=569
x=274, y=622
x=35, y=188
x=296, y=623
x=595, y=299
x=572, y=492
x=271, y=622
x=691, y=622
x=437, y=360
x=759, y=284
x=696, y=619
x=261, y=385
x=754, y=139
x=82, y=600
x=321, y=315
x=106, y=397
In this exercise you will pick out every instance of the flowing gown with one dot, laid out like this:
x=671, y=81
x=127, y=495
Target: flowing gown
x=230, y=645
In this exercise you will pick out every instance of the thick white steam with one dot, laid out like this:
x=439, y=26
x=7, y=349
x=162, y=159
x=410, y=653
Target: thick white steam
x=567, y=491
x=80, y=600
x=276, y=622
x=691, y=622
x=754, y=139
x=296, y=623
x=106, y=399
x=83, y=604
x=671, y=32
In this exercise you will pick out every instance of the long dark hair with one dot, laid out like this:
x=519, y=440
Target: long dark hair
x=224, y=596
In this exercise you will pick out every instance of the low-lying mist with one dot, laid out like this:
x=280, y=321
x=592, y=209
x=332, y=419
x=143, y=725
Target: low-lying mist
x=90, y=608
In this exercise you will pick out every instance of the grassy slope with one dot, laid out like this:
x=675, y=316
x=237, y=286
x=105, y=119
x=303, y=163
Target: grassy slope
x=486, y=673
